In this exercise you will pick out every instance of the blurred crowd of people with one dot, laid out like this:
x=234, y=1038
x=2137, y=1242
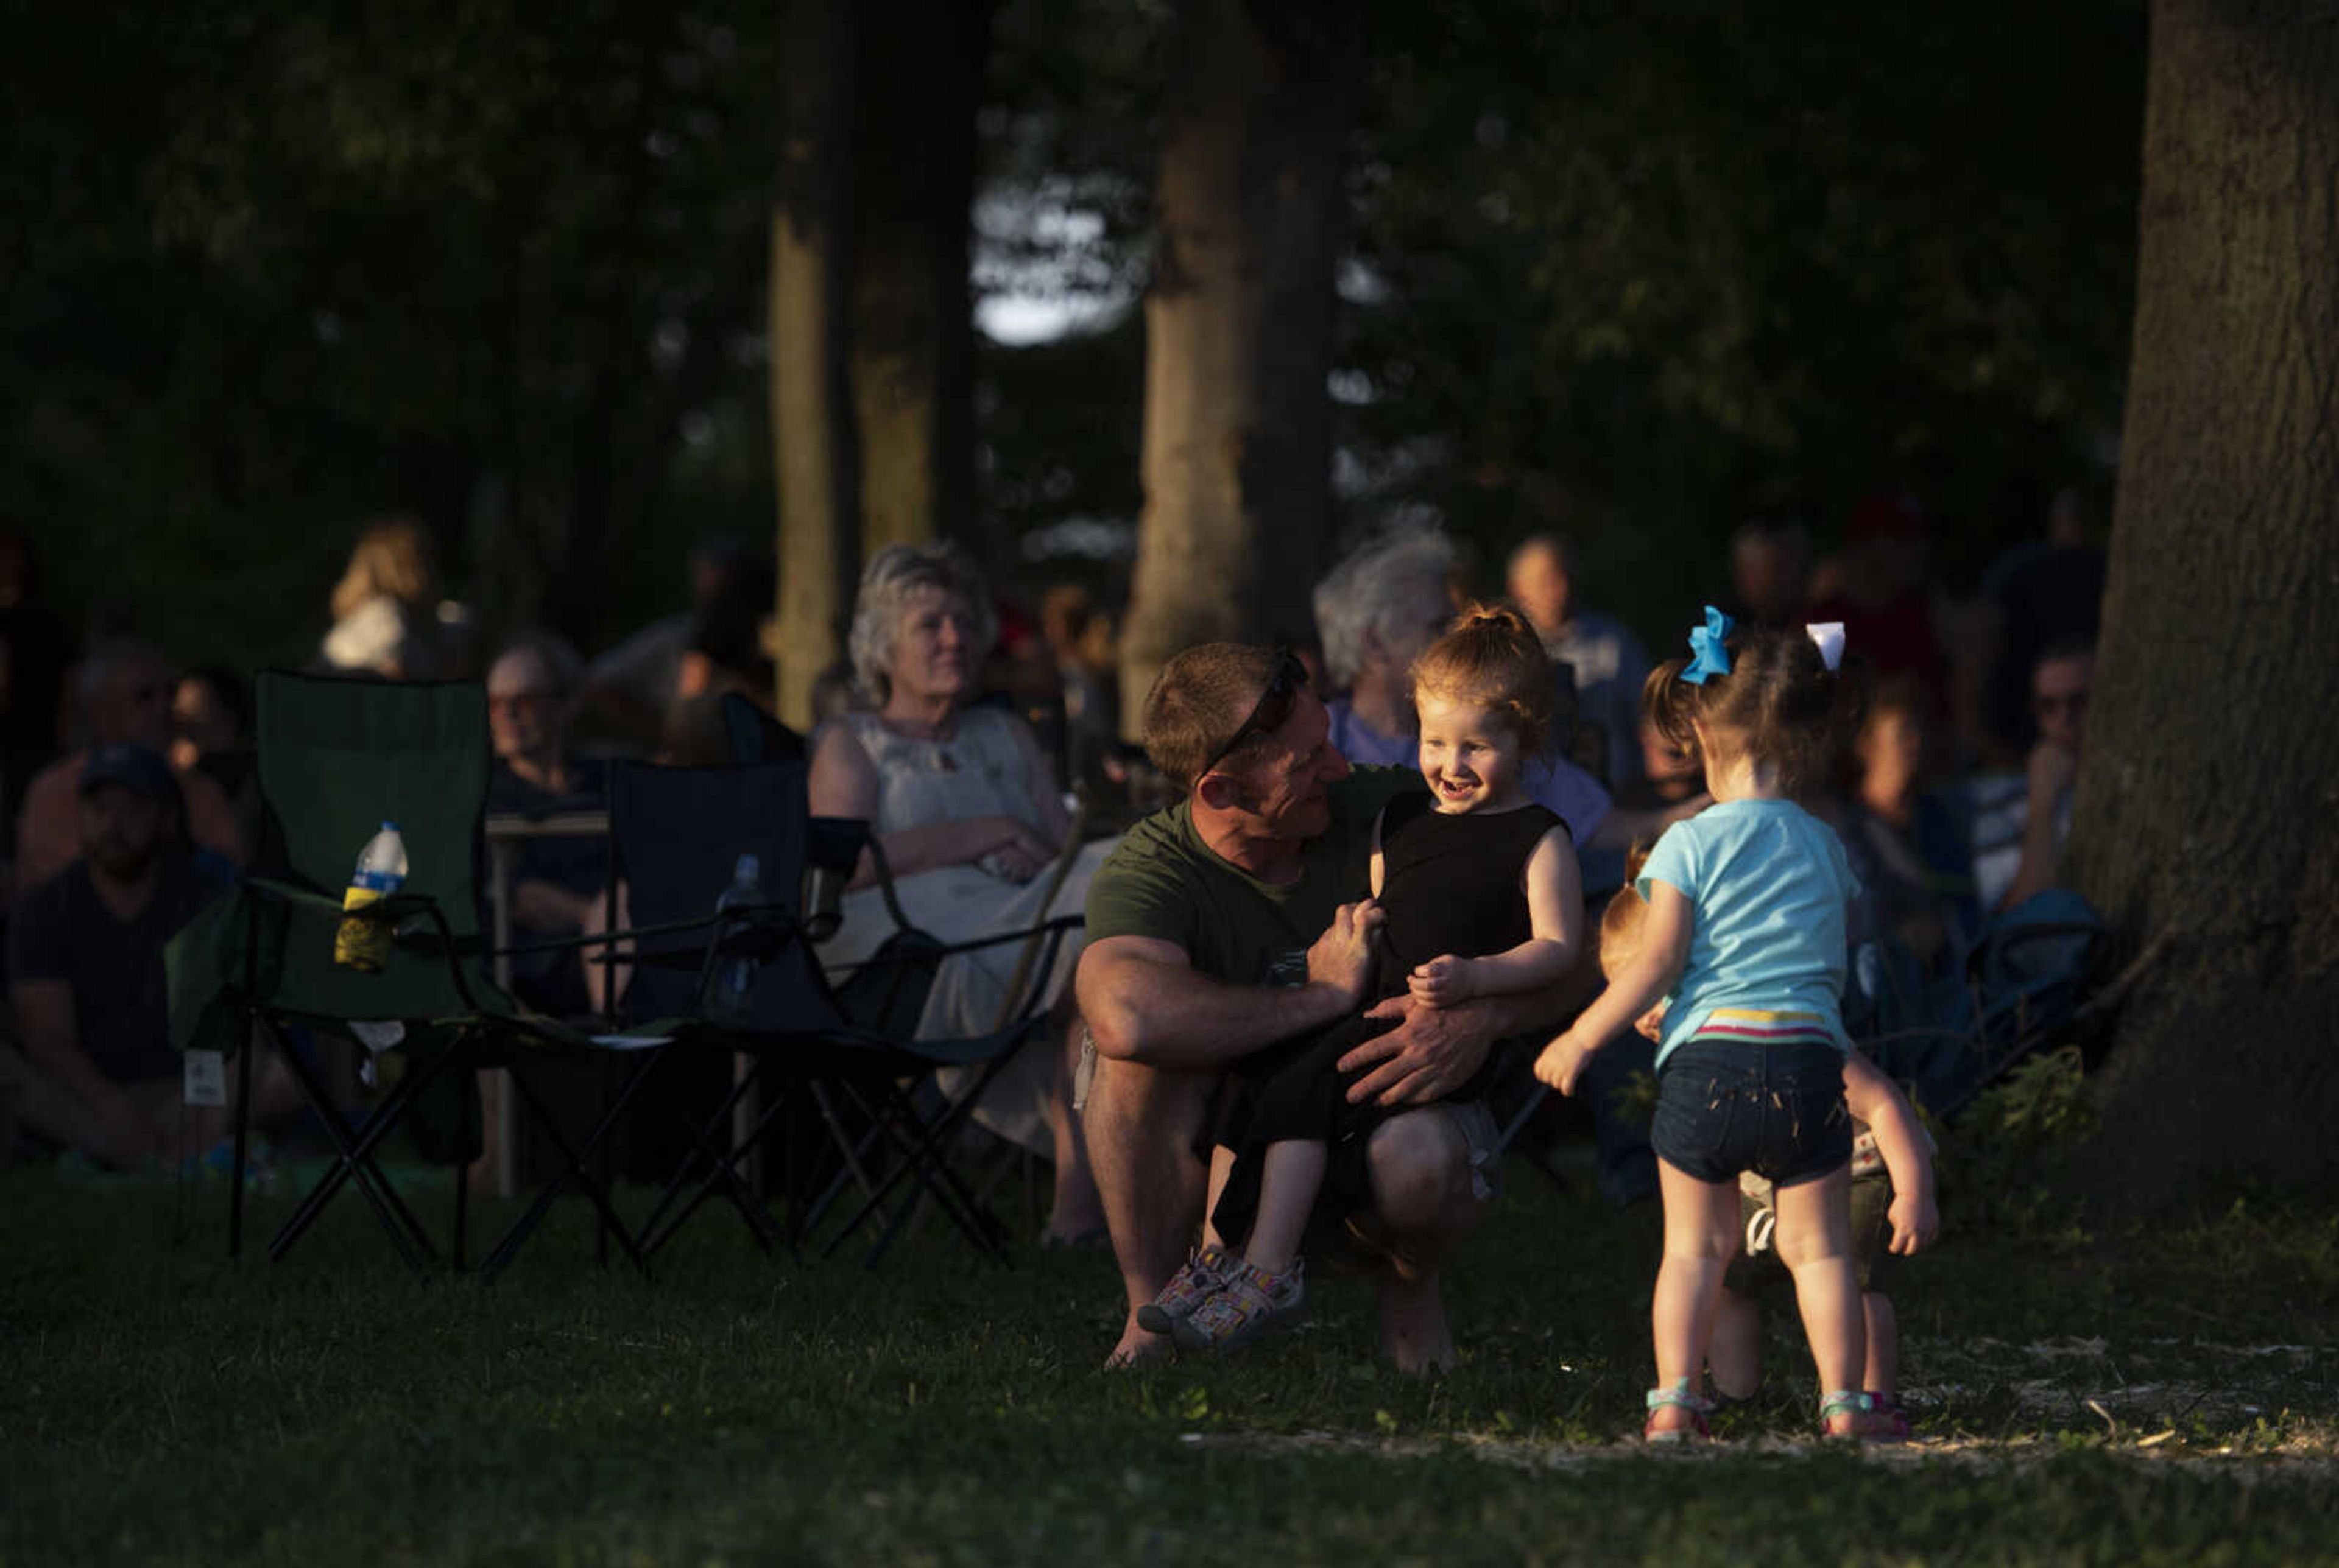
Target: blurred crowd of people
x=961, y=722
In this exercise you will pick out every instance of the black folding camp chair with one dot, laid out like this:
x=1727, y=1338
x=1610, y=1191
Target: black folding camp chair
x=841, y=1081
x=755, y=737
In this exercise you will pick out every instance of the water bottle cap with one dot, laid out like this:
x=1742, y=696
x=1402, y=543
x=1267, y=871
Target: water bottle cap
x=389, y=827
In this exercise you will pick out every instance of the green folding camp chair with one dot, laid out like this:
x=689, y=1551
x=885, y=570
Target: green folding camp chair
x=336, y=759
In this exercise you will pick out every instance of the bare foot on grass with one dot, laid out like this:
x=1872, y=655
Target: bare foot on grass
x=1414, y=1331
x=1138, y=1348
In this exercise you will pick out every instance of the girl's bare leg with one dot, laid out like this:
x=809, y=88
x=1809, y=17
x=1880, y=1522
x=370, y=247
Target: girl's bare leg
x=1222, y=1166
x=1290, y=1177
x=1733, y=1352
x=1700, y=1237
x=1883, y=1344
x=1814, y=1241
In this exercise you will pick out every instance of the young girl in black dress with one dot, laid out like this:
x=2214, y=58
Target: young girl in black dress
x=1475, y=892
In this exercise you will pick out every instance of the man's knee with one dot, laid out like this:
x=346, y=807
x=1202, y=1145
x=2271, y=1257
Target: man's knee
x=1138, y=1115
x=1421, y=1170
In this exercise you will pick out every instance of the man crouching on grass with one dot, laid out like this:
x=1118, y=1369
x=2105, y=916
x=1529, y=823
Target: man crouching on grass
x=1217, y=928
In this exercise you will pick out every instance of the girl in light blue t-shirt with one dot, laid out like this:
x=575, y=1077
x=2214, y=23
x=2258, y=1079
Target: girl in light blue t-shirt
x=1744, y=933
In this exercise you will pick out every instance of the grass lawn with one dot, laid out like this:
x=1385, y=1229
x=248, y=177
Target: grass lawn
x=2165, y=1395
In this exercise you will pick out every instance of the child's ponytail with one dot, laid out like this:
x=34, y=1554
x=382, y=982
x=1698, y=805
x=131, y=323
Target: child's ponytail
x=1793, y=699
x=1491, y=657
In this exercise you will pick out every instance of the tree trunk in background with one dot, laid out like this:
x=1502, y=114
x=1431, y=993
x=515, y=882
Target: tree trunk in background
x=812, y=404
x=1239, y=328
x=873, y=328
x=2210, y=789
x=920, y=71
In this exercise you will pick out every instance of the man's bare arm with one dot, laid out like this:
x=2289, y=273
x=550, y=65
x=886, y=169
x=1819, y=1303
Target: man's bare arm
x=1144, y=1001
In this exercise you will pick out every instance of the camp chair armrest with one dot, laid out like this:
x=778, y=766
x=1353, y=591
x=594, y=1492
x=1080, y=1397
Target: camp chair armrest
x=390, y=906
x=758, y=914
x=835, y=842
x=1056, y=925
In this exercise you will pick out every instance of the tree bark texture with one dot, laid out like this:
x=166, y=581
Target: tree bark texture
x=814, y=453
x=872, y=329
x=2209, y=790
x=1239, y=328
x=920, y=77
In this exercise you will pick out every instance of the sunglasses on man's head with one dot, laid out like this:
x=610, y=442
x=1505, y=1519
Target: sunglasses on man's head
x=1274, y=705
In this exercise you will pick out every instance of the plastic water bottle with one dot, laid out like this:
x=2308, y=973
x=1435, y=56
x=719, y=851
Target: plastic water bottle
x=360, y=943
x=735, y=978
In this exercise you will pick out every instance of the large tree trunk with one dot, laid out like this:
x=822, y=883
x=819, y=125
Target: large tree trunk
x=913, y=351
x=812, y=433
x=1239, y=327
x=873, y=352
x=2207, y=799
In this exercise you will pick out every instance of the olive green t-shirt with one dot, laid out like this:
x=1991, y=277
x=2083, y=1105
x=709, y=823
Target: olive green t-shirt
x=1163, y=881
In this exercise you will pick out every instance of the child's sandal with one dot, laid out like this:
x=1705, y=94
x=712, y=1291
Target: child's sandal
x=1202, y=1275
x=1886, y=1421
x=1849, y=1402
x=1677, y=1397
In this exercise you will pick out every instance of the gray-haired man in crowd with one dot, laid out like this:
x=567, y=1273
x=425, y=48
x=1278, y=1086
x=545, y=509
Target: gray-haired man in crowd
x=1226, y=923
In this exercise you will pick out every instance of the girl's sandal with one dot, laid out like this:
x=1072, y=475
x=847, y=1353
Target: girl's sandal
x=1852, y=1403
x=1677, y=1397
x=1886, y=1421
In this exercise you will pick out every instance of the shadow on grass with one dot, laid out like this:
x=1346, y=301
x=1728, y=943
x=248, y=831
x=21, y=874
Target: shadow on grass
x=168, y=1407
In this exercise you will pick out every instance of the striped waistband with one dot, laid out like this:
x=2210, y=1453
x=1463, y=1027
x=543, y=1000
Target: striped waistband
x=1754, y=1026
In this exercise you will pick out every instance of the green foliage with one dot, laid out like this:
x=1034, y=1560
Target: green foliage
x=2000, y=1162
x=1631, y=271
x=1642, y=272
x=329, y=264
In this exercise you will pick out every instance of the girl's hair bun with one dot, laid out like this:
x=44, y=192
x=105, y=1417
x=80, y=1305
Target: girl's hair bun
x=1491, y=615
x=1490, y=654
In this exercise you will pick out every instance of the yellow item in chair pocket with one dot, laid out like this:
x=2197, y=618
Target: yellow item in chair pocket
x=362, y=941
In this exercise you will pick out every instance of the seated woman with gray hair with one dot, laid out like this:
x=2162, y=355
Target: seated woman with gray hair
x=969, y=815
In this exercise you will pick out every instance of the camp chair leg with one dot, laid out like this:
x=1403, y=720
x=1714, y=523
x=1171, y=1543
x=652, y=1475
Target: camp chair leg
x=723, y=1174
x=355, y=1161
x=573, y=1157
x=701, y=1143
x=711, y=1143
x=892, y=1106
x=724, y=1177
x=853, y=1151
x=714, y=1142
x=735, y=1186
x=242, y=1130
x=462, y=1213
x=922, y=1157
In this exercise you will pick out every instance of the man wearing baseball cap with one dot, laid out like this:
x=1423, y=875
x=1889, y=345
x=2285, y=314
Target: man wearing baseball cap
x=95, y=1072
x=123, y=689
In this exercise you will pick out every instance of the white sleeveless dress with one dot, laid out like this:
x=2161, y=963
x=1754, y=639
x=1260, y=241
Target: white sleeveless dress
x=980, y=771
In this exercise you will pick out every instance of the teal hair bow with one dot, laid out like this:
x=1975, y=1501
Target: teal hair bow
x=1708, y=655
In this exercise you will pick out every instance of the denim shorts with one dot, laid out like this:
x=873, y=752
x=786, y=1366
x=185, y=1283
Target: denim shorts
x=1777, y=1111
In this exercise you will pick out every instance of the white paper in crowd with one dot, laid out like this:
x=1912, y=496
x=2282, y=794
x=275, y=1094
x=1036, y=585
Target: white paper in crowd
x=205, y=1079
x=1829, y=635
